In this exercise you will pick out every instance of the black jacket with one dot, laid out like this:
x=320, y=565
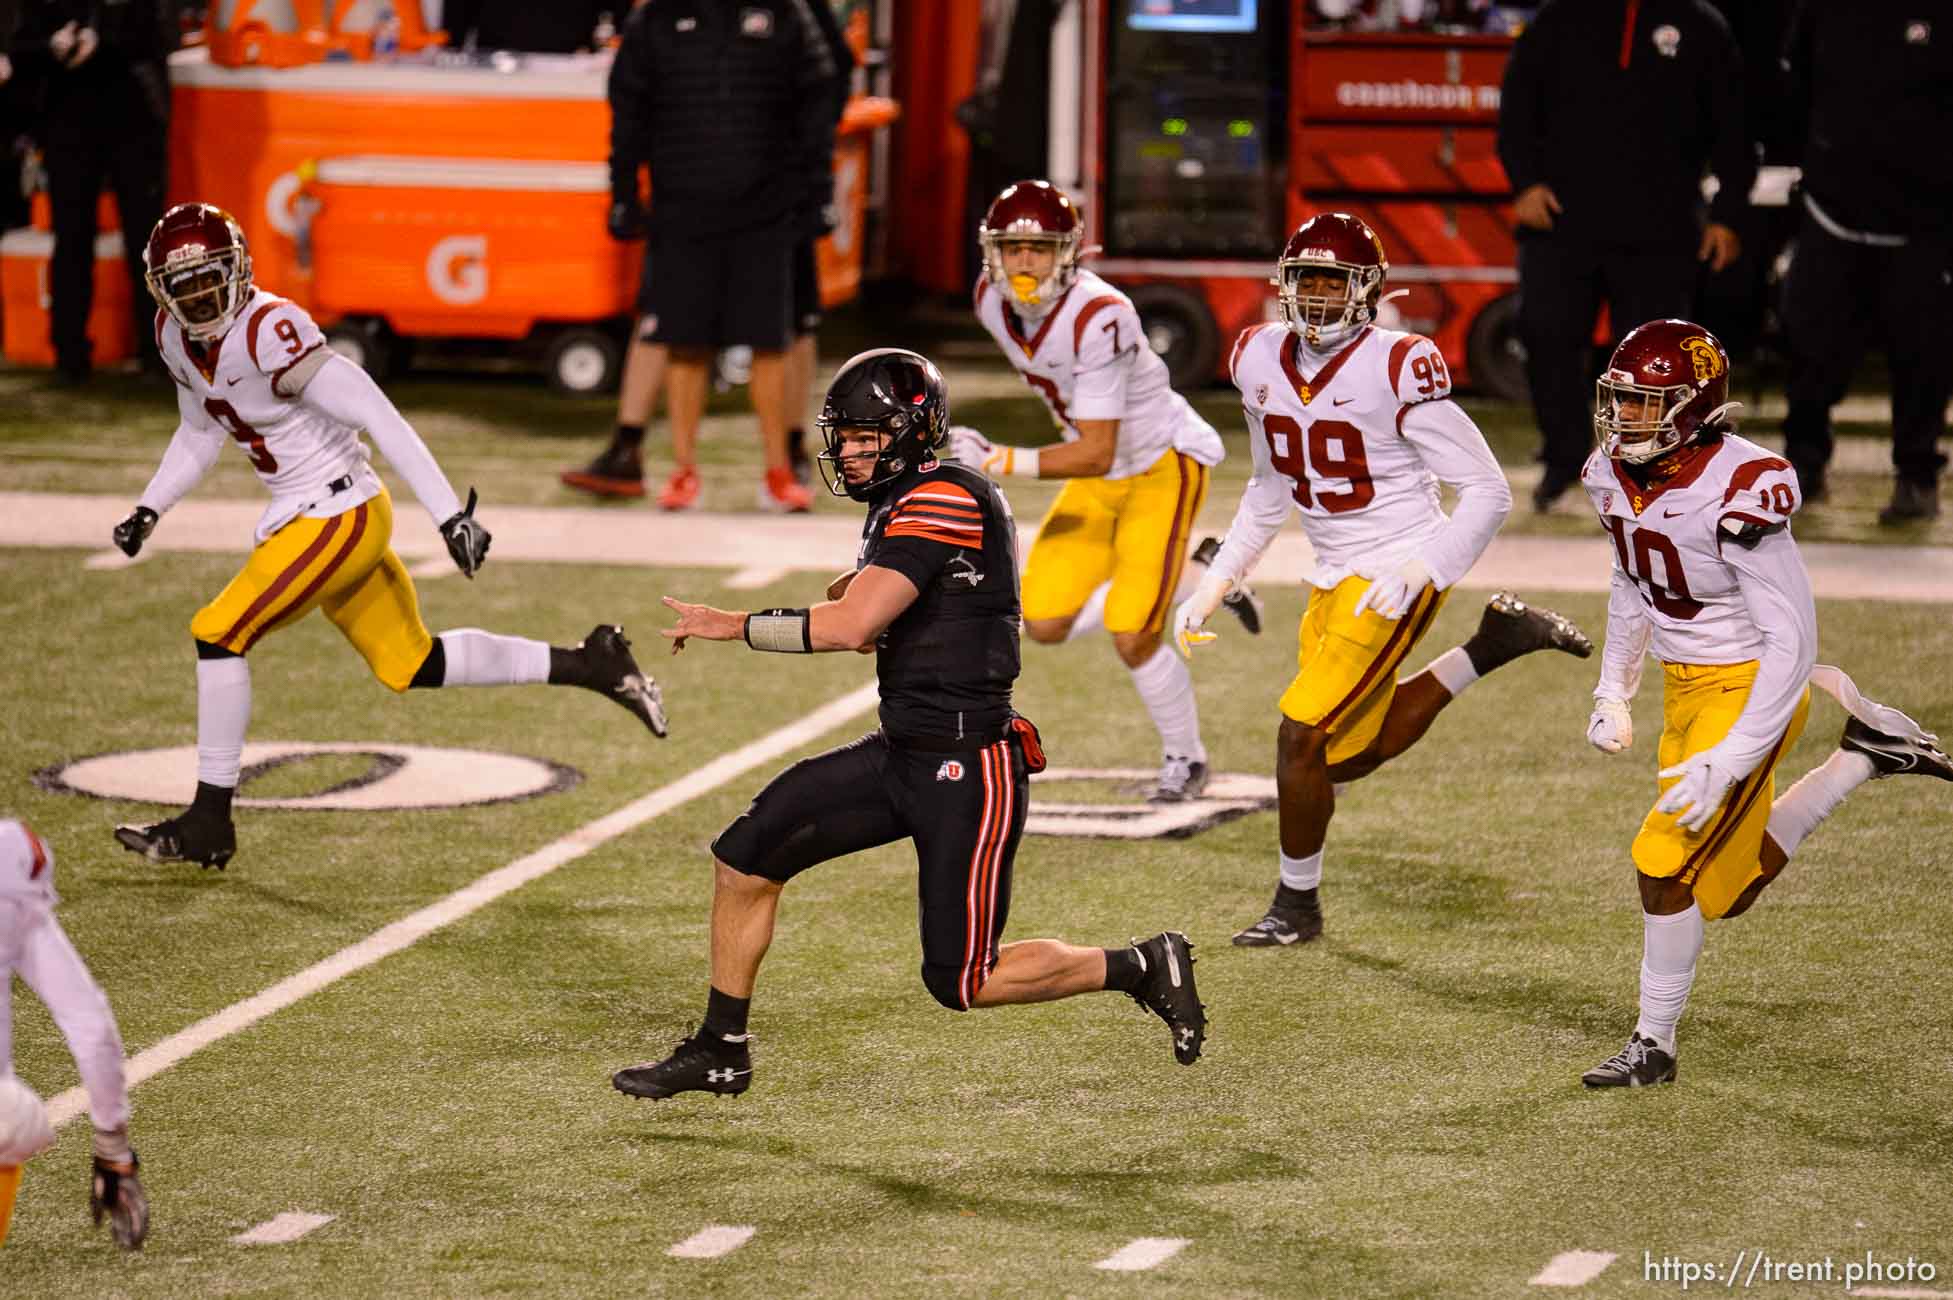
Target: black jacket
x=1622, y=120
x=1871, y=85
x=732, y=105
x=124, y=75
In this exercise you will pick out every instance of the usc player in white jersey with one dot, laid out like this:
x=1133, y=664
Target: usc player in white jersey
x=251, y=369
x=34, y=946
x=1134, y=459
x=1708, y=578
x=1353, y=429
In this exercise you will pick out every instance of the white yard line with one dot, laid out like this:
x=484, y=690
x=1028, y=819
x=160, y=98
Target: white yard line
x=154, y=1060
x=1574, y=1268
x=711, y=1242
x=825, y=544
x=289, y=1226
x=759, y=575
x=1141, y=1254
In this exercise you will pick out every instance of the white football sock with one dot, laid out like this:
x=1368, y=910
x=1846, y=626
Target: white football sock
x=1091, y=616
x=1302, y=873
x=1817, y=794
x=1669, y=947
x=1167, y=689
x=223, y=715
x=478, y=658
x=1454, y=670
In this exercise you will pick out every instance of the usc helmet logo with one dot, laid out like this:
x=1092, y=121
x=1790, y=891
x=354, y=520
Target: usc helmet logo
x=1703, y=356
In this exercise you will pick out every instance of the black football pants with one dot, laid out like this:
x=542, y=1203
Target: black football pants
x=964, y=810
x=84, y=149
x=1841, y=297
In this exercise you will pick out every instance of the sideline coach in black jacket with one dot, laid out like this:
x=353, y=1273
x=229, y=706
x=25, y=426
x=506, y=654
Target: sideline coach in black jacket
x=1611, y=111
x=1874, y=259
x=731, y=107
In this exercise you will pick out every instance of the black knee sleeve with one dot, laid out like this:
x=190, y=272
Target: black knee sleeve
x=433, y=670
x=943, y=983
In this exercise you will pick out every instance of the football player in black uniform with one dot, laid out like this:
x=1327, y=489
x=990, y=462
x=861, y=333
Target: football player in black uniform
x=934, y=593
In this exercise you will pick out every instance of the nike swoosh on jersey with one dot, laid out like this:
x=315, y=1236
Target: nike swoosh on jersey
x=1342, y=401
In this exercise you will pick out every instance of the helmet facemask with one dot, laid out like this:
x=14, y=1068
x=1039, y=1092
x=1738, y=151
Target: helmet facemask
x=897, y=452
x=1324, y=320
x=1637, y=423
x=1030, y=295
x=202, y=291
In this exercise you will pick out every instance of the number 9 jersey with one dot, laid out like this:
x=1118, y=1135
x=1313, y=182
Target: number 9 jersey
x=244, y=384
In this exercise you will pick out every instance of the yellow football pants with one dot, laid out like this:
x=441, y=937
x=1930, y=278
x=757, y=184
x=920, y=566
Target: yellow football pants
x=1131, y=531
x=1346, y=664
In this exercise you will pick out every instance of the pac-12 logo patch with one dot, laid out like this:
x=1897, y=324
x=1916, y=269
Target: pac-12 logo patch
x=951, y=770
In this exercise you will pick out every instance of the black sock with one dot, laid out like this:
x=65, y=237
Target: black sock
x=1123, y=969
x=1296, y=900
x=566, y=667
x=796, y=437
x=629, y=436
x=725, y=1016
x=213, y=800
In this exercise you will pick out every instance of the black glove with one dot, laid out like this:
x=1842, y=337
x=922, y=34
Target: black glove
x=132, y=532
x=467, y=540
x=627, y=220
x=121, y=1198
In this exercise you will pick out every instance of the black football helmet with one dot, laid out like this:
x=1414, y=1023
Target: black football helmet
x=895, y=391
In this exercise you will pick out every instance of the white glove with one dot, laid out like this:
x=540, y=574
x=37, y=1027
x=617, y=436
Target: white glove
x=1190, y=621
x=1391, y=594
x=994, y=459
x=969, y=446
x=1611, y=728
x=1703, y=781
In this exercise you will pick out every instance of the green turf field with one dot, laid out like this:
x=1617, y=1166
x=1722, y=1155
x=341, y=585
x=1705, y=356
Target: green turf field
x=1391, y=1112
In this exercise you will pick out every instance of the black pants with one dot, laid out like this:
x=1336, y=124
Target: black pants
x=86, y=147
x=1839, y=298
x=1561, y=287
x=964, y=810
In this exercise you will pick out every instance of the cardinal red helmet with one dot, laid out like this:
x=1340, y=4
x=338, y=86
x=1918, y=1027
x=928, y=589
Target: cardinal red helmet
x=1033, y=212
x=198, y=269
x=1335, y=243
x=1666, y=385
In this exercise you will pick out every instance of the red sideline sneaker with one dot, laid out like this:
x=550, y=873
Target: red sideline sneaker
x=680, y=490
x=617, y=472
x=783, y=494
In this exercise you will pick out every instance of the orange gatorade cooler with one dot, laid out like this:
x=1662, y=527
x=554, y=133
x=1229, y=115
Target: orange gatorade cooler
x=470, y=248
x=26, y=256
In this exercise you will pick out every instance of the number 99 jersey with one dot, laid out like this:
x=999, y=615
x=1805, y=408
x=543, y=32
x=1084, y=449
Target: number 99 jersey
x=1670, y=539
x=1336, y=439
x=243, y=385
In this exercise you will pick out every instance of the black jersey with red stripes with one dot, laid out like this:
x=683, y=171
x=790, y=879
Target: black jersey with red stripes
x=947, y=664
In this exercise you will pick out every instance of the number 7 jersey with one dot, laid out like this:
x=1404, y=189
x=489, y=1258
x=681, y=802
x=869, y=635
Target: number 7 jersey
x=1669, y=539
x=1335, y=438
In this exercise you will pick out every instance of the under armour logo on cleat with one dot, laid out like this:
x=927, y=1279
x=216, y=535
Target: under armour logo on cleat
x=721, y=1076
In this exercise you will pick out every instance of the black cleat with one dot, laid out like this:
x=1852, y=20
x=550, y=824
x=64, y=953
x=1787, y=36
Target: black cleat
x=698, y=1064
x=1637, y=1065
x=1895, y=755
x=1281, y=927
x=1167, y=990
x=614, y=674
x=1510, y=627
x=616, y=472
x=1181, y=779
x=1241, y=600
x=190, y=836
